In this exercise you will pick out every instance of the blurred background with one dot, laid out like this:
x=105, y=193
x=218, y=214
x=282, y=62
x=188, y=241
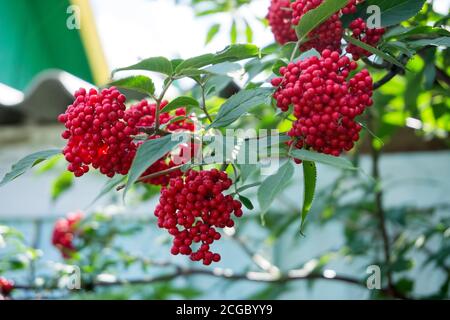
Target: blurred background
x=45, y=58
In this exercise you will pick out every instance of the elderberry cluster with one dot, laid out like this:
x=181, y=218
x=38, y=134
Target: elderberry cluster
x=6, y=287
x=97, y=134
x=325, y=102
x=326, y=36
x=143, y=114
x=100, y=133
x=65, y=232
x=192, y=208
x=280, y=21
x=370, y=36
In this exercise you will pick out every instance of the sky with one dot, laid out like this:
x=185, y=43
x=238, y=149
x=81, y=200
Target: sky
x=145, y=28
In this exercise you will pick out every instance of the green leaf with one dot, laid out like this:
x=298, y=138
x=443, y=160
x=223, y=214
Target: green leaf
x=277, y=65
x=155, y=64
x=314, y=18
x=182, y=101
x=26, y=163
x=274, y=185
x=394, y=12
x=233, y=32
x=308, y=54
x=109, y=185
x=306, y=155
x=437, y=42
x=231, y=53
x=61, y=184
x=239, y=104
x=422, y=31
x=212, y=32
x=373, y=50
x=148, y=153
x=224, y=68
x=248, y=32
x=309, y=180
x=246, y=202
x=141, y=84
x=246, y=171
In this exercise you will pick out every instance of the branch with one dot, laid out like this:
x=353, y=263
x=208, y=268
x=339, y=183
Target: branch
x=261, y=277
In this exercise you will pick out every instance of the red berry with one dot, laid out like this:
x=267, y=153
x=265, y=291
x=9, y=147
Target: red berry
x=280, y=21
x=363, y=33
x=64, y=233
x=6, y=286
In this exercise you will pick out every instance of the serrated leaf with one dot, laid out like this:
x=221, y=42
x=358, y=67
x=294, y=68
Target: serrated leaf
x=422, y=31
x=309, y=182
x=373, y=50
x=141, y=84
x=212, y=32
x=246, y=202
x=314, y=18
x=231, y=53
x=155, y=64
x=437, y=42
x=178, y=102
x=274, y=185
x=26, y=163
x=239, y=104
x=109, y=185
x=306, y=155
x=148, y=153
x=61, y=184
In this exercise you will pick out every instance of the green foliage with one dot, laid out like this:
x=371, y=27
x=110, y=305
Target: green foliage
x=239, y=104
x=310, y=179
x=141, y=84
x=26, y=163
x=155, y=64
x=273, y=185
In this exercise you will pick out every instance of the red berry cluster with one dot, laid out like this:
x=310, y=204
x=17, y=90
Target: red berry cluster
x=97, y=133
x=6, y=286
x=326, y=36
x=143, y=114
x=350, y=8
x=192, y=208
x=280, y=21
x=100, y=132
x=362, y=32
x=64, y=233
x=325, y=103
